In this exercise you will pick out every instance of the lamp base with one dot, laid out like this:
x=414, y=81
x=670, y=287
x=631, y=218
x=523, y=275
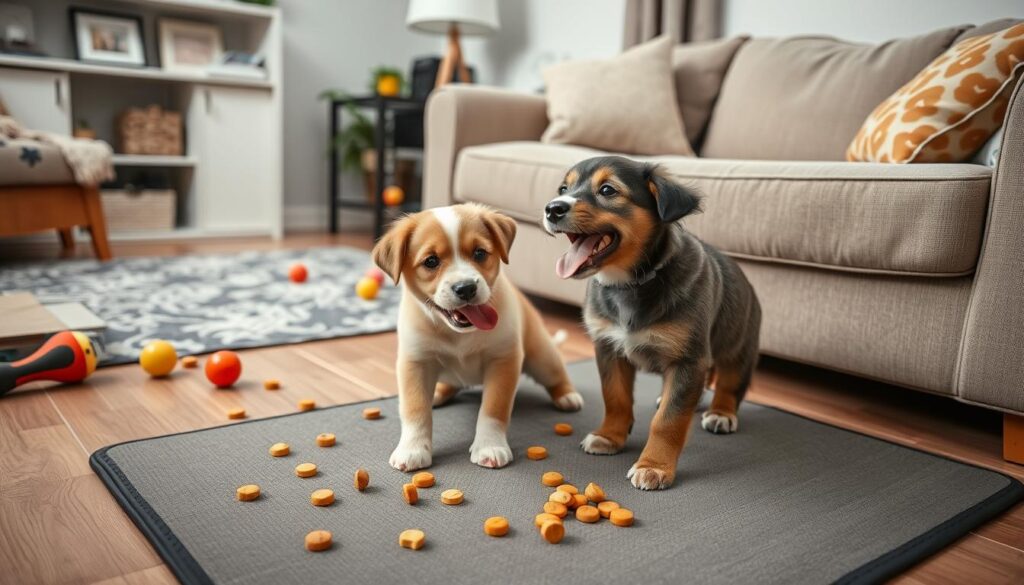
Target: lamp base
x=452, y=62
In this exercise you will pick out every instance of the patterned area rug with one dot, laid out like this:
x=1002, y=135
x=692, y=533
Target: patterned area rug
x=224, y=301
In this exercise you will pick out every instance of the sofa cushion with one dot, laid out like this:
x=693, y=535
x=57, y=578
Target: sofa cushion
x=27, y=162
x=922, y=220
x=699, y=69
x=804, y=98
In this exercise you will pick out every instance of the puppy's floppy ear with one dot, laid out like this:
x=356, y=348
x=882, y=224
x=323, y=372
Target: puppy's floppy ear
x=674, y=200
x=503, y=230
x=389, y=253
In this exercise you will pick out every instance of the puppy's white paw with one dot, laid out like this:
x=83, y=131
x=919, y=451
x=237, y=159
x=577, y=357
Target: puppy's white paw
x=649, y=478
x=492, y=456
x=570, y=402
x=598, y=445
x=720, y=424
x=410, y=457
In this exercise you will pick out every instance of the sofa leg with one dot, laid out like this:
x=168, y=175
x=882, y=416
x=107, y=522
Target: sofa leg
x=97, y=222
x=67, y=239
x=1013, y=438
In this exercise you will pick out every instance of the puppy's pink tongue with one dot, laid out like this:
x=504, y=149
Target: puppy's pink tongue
x=482, y=316
x=576, y=255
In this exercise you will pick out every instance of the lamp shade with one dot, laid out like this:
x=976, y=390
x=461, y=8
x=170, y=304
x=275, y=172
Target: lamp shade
x=473, y=17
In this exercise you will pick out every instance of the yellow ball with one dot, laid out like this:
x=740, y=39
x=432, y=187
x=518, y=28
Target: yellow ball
x=367, y=288
x=158, y=358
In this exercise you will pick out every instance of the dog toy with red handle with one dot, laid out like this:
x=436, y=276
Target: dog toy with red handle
x=66, y=357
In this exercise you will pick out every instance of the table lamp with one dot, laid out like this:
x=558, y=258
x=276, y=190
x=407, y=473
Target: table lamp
x=454, y=18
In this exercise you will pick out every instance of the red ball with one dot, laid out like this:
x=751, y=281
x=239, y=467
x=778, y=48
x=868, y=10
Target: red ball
x=298, y=273
x=223, y=368
x=376, y=274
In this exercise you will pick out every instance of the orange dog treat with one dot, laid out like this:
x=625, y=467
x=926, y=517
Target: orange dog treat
x=307, y=404
x=189, y=361
x=577, y=501
x=563, y=429
x=325, y=439
x=451, y=497
x=552, y=531
x=410, y=494
x=322, y=497
x=621, y=517
x=271, y=384
x=318, y=540
x=496, y=526
x=588, y=514
x=280, y=449
x=371, y=413
x=423, y=479
x=248, y=493
x=560, y=497
x=543, y=517
x=568, y=488
x=606, y=507
x=236, y=413
x=305, y=469
x=552, y=478
x=594, y=493
x=536, y=453
x=362, y=479
x=557, y=509
x=412, y=538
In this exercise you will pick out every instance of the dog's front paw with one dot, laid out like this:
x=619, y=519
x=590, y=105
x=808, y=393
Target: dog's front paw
x=570, y=402
x=598, y=445
x=647, y=477
x=410, y=457
x=719, y=423
x=492, y=456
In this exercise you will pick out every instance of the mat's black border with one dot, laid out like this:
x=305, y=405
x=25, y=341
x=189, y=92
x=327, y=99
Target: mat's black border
x=188, y=571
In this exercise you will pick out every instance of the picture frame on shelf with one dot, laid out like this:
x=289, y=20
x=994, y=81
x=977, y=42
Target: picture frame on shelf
x=189, y=47
x=108, y=37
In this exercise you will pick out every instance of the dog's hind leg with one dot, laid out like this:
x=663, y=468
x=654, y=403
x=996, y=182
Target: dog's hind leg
x=730, y=386
x=443, y=393
x=543, y=363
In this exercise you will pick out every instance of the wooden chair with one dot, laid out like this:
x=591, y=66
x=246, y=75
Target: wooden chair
x=33, y=208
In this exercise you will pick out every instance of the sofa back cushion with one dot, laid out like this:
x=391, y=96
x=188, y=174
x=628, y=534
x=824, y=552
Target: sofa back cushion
x=699, y=69
x=804, y=98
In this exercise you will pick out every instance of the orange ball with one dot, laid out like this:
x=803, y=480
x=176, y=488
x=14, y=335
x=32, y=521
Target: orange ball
x=223, y=368
x=298, y=273
x=393, y=196
x=367, y=288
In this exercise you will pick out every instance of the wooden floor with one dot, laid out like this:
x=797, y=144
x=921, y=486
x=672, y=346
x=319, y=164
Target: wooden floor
x=58, y=524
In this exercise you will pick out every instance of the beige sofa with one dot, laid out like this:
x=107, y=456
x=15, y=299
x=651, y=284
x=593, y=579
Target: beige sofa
x=910, y=274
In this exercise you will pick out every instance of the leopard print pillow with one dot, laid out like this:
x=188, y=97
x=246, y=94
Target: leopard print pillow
x=950, y=109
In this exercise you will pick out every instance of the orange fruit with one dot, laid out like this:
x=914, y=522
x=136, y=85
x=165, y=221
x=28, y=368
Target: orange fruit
x=393, y=196
x=367, y=288
x=387, y=85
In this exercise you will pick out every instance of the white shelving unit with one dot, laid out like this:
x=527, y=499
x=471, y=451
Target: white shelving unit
x=229, y=180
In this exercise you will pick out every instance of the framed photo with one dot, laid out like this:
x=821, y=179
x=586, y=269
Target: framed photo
x=189, y=46
x=104, y=37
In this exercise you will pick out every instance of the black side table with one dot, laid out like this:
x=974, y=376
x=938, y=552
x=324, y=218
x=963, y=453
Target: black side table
x=385, y=107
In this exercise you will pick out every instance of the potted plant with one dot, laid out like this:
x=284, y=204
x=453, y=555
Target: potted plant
x=386, y=81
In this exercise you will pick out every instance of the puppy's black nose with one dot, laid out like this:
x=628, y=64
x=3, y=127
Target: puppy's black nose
x=464, y=289
x=556, y=210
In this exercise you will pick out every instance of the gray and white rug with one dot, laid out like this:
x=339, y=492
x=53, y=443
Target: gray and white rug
x=210, y=302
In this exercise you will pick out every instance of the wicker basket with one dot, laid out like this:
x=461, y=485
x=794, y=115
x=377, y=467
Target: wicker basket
x=149, y=209
x=149, y=130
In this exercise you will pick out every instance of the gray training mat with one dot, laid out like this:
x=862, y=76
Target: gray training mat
x=785, y=500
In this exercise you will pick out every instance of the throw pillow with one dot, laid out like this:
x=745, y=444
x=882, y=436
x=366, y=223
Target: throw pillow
x=624, y=104
x=950, y=109
x=699, y=69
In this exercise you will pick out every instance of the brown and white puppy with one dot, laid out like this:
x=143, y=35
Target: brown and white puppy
x=462, y=323
x=661, y=300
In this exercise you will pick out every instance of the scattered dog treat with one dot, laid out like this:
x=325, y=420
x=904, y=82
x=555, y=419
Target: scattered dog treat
x=236, y=413
x=371, y=413
x=271, y=384
x=323, y=497
x=588, y=514
x=556, y=508
x=536, y=453
x=606, y=507
x=560, y=497
x=325, y=439
x=423, y=479
x=318, y=540
x=563, y=429
x=496, y=526
x=451, y=497
x=248, y=493
x=280, y=449
x=189, y=361
x=553, y=531
x=305, y=469
x=621, y=517
x=577, y=501
x=307, y=404
x=552, y=478
x=362, y=479
x=594, y=493
x=410, y=494
x=568, y=488
x=543, y=517
x=413, y=539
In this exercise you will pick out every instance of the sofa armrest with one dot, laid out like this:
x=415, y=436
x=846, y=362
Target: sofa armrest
x=458, y=116
x=991, y=366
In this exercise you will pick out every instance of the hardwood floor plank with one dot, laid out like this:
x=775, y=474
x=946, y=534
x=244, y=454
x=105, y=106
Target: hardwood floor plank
x=973, y=560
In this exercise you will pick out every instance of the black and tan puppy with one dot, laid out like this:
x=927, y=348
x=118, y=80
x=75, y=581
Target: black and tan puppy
x=661, y=300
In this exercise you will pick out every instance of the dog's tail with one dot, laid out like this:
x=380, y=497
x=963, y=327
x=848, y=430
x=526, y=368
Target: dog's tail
x=559, y=337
